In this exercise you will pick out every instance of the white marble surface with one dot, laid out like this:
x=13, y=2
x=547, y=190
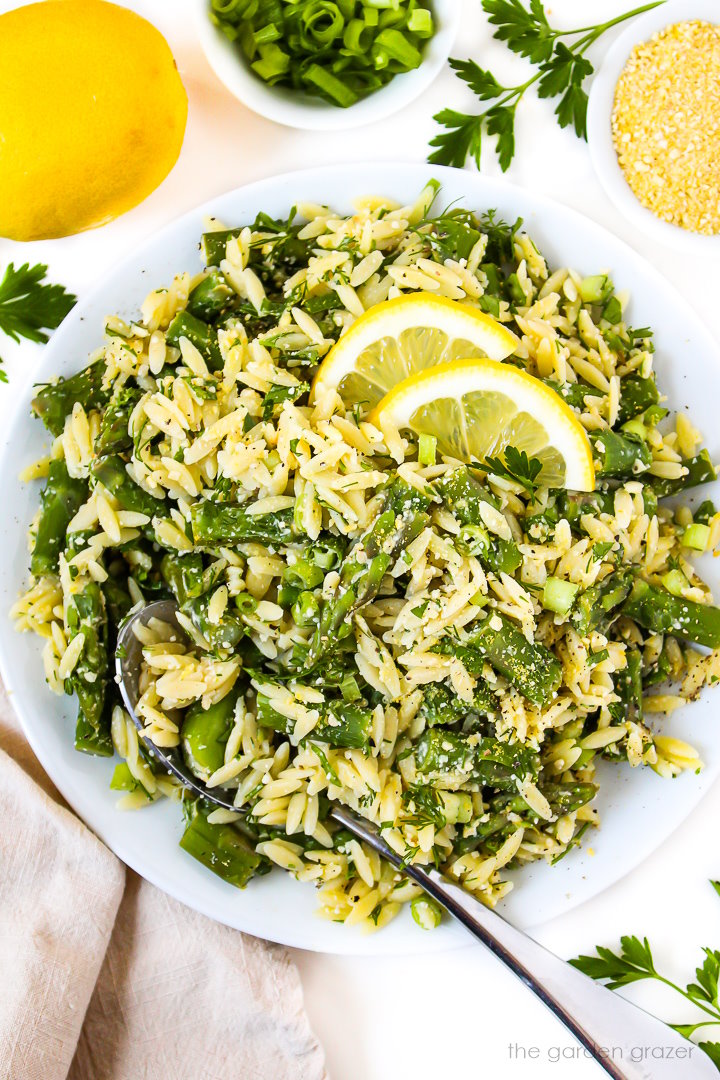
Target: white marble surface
x=456, y=1013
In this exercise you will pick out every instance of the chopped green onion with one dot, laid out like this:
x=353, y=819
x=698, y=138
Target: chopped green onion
x=357, y=37
x=697, y=537
x=273, y=63
x=305, y=609
x=399, y=48
x=559, y=595
x=675, y=582
x=457, y=807
x=268, y=33
x=636, y=427
x=427, y=445
x=350, y=689
x=595, y=289
x=421, y=23
x=426, y=912
x=339, y=50
x=323, y=80
x=303, y=575
x=245, y=603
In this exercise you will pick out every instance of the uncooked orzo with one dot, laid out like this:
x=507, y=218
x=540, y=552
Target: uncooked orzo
x=666, y=125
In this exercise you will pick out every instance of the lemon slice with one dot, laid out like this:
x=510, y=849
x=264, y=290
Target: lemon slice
x=476, y=408
x=395, y=339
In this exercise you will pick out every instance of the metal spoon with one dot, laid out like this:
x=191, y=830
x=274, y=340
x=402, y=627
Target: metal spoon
x=627, y=1042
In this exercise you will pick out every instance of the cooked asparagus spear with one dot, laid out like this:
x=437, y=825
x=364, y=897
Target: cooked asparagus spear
x=215, y=523
x=199, y=334
x=563, y=799
x=462, y=493
x=620, y=457
x=488, y=761
x=86, y=614
x=628, y=683
x=205, y=732
x=531, y=668
x=210, y=297
x=221, y=848
x=663, y=613
x=114, y=435
x=186, y=576
x=700, y=470
x=636, y=395
x=595, y=604
x=401, y=519
x=62, y=498
x=54, y=401
x=213, y=245
x=440, y=706
x=113, y=475
x=340, y=724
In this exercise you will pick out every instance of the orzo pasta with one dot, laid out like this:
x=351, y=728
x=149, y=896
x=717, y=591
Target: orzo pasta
x=442, y=647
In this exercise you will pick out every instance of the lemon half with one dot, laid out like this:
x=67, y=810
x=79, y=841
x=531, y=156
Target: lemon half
x=92, y=115
x=477, y=408
x=399, y=337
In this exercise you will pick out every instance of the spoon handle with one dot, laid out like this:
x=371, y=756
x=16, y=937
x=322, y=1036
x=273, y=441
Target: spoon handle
x=627, y=1042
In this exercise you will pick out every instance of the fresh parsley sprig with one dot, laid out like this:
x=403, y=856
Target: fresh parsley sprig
x=515, y=465
x=635, y=962
x=562, y=71
x=29, y=307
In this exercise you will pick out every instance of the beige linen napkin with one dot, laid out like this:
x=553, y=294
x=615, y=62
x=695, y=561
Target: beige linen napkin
x=104, y=977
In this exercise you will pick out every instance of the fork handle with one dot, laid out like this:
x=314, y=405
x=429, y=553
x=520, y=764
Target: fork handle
x=626, y=1041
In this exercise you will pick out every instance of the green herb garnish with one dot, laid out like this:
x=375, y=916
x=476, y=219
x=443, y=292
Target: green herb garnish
x=339, y=50
x=562, y=71
x=29, y=308
x=635, y=962
x=515, y=466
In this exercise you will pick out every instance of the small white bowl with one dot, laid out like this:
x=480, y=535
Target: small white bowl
x=298, y=110
x=600, y=108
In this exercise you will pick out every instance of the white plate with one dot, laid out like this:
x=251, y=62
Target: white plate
x=638, y=809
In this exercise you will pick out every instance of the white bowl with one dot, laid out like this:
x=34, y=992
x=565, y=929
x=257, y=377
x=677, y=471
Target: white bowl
x=638, y=809
x=602, y=150
x=298, y=110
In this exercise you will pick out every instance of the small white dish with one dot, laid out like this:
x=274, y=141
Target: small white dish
x=298, y=110
x=602, y=150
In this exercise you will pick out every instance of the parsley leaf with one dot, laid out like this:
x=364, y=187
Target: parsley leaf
x=463, y=139
x=712, y=1049
x=515, y=466
x=501, y=122
x=706, y=987
x=562, y=70
x=635, y=962
x=526, y=32
x=29, y=308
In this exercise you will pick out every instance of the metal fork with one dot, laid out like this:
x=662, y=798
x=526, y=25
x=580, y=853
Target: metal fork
x=627, y=1042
